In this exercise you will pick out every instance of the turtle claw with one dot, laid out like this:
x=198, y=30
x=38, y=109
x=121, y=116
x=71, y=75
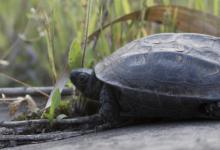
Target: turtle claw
x=103, y=127
x=213, y=109
x=116, y=124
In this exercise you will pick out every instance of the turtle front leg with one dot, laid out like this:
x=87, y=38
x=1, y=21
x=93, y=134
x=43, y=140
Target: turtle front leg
x=109, y=110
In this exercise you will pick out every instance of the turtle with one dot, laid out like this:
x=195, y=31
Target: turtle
x=165, y=75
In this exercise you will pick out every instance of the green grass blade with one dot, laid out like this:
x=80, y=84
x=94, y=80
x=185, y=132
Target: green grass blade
x=50, y=51
x=55, y=102
x=216, y=7
x=166, y=2
x=74, y=55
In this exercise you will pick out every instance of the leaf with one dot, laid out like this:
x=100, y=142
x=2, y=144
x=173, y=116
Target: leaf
x=60, y=84
x=16, y=105
x=187, y=20
x=55, y=96
x=61, y=116
x=74, y=56
x=55, y=102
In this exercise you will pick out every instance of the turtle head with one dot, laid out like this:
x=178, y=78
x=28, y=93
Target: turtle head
x=80, y=78
x=86, y=82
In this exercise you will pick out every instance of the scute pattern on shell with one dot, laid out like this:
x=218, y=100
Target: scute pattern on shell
x=178, y=64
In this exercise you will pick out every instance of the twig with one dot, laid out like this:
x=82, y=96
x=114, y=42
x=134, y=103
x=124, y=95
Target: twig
x=20, y=82
x=34, y=91
x=72, y=121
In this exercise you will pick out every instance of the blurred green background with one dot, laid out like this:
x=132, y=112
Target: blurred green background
x=36, y=35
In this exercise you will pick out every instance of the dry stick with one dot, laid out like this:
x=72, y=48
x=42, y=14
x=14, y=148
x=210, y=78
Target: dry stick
x=19, y=91
x=72, y=121
x=27, y=139
x=20, y=82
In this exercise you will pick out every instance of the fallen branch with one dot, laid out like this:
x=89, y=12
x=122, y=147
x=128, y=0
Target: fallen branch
x=34, y=91
x=31, y=123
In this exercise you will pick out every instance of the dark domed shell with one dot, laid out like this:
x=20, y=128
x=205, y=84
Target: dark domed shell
x=175, y=64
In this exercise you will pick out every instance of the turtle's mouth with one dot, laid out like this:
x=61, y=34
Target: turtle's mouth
x=73, y=76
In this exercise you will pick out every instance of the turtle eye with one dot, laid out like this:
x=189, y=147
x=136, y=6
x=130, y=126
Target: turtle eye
x=82, y=79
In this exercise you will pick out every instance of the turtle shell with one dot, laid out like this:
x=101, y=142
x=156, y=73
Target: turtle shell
x=173, y=64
